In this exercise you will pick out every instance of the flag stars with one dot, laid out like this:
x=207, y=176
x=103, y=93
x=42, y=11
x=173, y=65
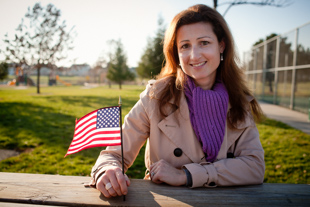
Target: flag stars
x=108, y=117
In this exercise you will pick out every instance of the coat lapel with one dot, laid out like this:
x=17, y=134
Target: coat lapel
x=177, y=127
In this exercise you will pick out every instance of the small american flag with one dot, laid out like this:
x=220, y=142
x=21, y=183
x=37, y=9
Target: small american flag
x=97, y=129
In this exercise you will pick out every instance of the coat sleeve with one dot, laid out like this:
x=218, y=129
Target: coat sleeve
x=135, y=133
x=246, y=168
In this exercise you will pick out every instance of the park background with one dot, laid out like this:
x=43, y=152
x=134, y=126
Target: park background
x=39, y=126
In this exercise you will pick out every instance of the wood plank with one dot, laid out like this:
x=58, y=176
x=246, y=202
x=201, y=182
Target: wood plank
x=5, y=204
x=70, y=190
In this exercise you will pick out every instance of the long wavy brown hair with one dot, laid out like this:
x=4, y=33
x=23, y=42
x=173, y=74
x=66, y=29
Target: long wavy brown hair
x=228, y=70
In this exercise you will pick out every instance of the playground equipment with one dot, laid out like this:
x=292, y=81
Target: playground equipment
x=21, y=78
x=63, y=82
x=12, y=83
x=24, y=80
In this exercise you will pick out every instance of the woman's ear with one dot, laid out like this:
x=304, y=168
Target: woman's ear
x=222, y=46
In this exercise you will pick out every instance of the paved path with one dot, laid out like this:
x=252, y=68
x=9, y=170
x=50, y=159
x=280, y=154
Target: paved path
x=293, y=118
x=4, y=154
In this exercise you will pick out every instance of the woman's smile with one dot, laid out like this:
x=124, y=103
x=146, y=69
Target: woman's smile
x=198, y=64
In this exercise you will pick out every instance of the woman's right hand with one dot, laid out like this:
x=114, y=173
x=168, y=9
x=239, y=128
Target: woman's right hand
x=118, y=182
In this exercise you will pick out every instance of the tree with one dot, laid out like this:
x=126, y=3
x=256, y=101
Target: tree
x=118, y=70
x=99, y=69
x=153, y=58
x=275, y=3
x=40, y=41
x=267, y=38
x=3, y=70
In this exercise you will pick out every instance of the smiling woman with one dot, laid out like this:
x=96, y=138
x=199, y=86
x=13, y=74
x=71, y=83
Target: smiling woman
x=197, y=118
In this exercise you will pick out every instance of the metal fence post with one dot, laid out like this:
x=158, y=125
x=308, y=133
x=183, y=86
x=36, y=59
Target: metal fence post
x=294, y=71
x=276, y=71
x=264, y=69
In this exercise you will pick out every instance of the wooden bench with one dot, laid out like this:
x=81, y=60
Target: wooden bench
x=18, y=189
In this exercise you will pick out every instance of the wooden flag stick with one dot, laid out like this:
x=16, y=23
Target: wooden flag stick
x=121, y=128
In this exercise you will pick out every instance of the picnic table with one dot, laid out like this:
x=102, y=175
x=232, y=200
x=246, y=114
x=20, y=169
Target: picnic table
x=24, y=190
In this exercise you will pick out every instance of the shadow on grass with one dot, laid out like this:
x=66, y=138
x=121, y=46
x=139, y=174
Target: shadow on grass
x=27, y=125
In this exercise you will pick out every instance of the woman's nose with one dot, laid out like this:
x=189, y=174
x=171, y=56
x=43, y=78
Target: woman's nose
x=195, y=53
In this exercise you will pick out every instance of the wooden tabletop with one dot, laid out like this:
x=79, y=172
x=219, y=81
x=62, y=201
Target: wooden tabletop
x=17, y=189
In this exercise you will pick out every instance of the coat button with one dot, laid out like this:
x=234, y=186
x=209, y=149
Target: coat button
x=177, y=152
x=212, y=184
x=230, y=155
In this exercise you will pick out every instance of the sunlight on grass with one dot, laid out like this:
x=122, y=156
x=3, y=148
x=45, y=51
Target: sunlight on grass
x=287, y=152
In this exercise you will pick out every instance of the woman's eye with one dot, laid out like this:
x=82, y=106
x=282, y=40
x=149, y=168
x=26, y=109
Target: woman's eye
x=204, y=42
x=184, y=46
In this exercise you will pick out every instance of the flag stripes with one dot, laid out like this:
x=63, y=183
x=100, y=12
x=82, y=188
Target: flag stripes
x=96, y=129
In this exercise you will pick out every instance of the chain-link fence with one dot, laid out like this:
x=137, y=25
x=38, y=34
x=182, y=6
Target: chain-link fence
x=278, y=69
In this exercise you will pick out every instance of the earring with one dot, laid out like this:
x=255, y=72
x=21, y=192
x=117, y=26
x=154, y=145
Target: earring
x=222, y=58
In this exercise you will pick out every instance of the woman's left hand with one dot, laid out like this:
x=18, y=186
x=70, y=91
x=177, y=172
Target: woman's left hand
x=163, y=171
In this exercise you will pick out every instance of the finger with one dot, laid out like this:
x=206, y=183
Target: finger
x=127, y=180
x=153, y=165
x=154, y=170
x=156, y=178
x=109, y=177
x=122, y=183
x=100, y=186
x=152, y=173
x=115, y=185
x=112, y=192
x=157, y=165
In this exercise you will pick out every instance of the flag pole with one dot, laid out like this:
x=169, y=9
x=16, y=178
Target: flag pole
x=121, y=128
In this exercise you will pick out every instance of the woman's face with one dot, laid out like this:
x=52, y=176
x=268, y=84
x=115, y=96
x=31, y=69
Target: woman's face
x=199, y=52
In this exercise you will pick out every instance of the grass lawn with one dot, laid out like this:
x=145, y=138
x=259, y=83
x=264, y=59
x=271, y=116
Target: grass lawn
x=42, y=126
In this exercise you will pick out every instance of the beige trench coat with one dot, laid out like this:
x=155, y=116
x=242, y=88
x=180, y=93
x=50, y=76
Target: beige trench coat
x=164, y=135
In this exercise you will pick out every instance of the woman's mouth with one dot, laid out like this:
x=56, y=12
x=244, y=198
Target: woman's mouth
x=198, y=64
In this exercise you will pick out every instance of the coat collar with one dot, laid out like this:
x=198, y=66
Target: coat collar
x=158, y=86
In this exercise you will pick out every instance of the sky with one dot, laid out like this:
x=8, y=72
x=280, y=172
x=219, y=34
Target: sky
x=134, y=21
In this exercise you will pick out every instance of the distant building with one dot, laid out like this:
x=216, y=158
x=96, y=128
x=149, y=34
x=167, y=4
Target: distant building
x=78, y=70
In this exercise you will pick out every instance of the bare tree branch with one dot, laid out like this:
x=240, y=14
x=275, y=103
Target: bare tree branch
x=274, y=3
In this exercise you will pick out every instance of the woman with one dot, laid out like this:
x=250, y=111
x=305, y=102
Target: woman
x=196, y=118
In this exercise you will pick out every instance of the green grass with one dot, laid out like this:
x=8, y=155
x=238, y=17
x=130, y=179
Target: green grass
x=287, y=153
x=42, y=126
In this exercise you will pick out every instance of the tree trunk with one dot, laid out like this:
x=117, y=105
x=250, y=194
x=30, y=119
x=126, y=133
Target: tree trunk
x=120, y=85
x=38, y=80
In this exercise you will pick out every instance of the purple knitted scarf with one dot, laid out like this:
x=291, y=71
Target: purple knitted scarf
x=208, y=111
